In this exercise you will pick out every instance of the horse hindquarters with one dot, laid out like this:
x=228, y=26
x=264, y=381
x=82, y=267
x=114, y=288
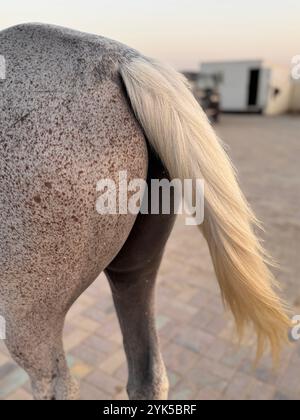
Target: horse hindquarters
x=70, y=129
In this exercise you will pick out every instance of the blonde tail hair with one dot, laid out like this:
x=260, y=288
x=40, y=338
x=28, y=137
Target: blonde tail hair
x=182, y=136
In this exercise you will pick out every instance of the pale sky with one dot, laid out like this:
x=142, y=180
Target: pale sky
x=182, y=32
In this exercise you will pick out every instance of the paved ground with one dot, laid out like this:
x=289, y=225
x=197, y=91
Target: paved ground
x=196, y=336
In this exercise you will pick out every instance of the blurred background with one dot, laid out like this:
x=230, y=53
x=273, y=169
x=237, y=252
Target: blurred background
x=243, y=63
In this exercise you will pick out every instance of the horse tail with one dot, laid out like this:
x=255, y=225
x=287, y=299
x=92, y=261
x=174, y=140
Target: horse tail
x=182, y=136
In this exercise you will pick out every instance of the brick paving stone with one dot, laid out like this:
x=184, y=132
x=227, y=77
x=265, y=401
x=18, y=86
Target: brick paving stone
x=228, y=333
x=289, y=381
x=87, y=300
x=217, y=325
x=100, y=343
x=217, y=349
x=74, y=338
x=208, y=394
x=104, y=382
x=238, y=387
x=161, y=321
x=202, y=379
x=12, y=381
x=77, y=309
x=235, y=355
x=4, y=359
x=174, y=378
x=69, y=328
x=293, y=353
x=27, y=386
x=85, y=323
x=90, y=392
x=280, y=396
x=216, y=305
x=88, y=355
x=201, y=299
x=94, y=313
x=186, y=294
x=3, y=349
x=113, y=362
x=20, y=395
x=261, y=372
x=211, y=366
x=194, y=339
x=116, y=337
x=202, y=318
x=122, y=373
x=80, y=370
x=183, y=393
x=204, y=279
x=178, y=358
x=207, y=381
x=109, y=327
x=121, y=396
x=260, y=391
x=7, y=368
x=170, y=331
x=178, y=311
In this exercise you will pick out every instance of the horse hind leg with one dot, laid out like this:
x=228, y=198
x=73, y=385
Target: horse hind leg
x=132, y=277
x=36, y=345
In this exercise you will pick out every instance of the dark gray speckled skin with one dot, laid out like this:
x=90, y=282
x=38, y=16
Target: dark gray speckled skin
x=65, y=123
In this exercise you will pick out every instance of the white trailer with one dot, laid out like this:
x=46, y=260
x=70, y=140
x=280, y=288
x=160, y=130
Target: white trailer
x=250, y=86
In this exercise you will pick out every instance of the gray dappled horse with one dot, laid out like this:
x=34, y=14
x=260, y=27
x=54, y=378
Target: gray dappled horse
x=76, y=108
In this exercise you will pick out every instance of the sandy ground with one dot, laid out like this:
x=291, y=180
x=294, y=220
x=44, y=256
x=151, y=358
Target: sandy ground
x=197, y=337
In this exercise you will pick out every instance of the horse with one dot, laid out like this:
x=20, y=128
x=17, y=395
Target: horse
x=76, y=108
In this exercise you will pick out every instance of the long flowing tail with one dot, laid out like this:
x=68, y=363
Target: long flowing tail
x=182, y=136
